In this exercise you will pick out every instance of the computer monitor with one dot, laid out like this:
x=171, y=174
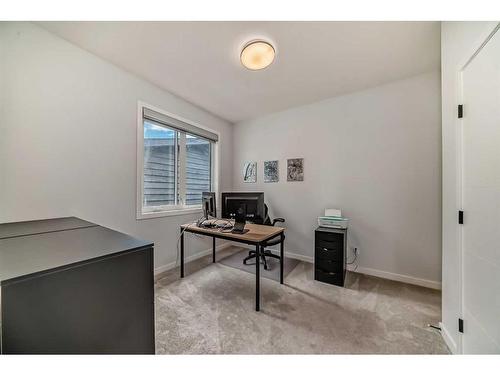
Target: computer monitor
x=252, y=204
x=208, y=204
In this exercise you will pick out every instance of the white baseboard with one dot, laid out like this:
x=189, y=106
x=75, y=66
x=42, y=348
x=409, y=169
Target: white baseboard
x=448, y=339
x=374, y=272
x=396, y=277
x=301, y=257
x=364, y=270
x=166, y=267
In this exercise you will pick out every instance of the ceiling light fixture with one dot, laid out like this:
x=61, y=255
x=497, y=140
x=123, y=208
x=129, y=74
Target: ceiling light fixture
x=257, y=55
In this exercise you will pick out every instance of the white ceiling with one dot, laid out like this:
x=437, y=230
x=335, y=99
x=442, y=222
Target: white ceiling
x=199, y=61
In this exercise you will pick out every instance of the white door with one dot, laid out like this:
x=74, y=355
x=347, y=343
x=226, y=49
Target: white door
x=481, y=200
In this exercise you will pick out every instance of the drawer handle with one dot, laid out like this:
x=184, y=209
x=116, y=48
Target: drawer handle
x=328, y=273
x=331, y=241
x=328, y=250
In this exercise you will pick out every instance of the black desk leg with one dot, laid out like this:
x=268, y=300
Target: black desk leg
x=257, y=277
x=282, y=255
x=182, y=253
x=213, y=250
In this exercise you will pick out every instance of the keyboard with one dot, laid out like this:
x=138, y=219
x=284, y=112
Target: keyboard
x=217, y=223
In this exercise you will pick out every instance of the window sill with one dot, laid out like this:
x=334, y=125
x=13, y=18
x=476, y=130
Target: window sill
x=166, y=213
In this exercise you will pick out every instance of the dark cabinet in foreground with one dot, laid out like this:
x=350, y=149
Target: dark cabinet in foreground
x=70, y=286
x=330, y=255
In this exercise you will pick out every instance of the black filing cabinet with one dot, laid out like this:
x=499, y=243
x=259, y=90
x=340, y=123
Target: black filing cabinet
x=330, y=255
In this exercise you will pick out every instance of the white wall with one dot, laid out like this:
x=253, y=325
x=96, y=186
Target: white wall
x=458, y=41
x=376, y=155
x=68, y=137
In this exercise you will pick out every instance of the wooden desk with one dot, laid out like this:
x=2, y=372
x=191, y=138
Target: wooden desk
x=257, y=235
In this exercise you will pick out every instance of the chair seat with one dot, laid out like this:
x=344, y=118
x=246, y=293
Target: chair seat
x=274, y=241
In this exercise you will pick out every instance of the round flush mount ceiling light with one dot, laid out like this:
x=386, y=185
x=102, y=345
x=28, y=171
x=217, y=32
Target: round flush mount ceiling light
x=257, y=54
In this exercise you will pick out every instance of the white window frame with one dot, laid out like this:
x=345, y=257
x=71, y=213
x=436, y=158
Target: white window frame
x=170, y=210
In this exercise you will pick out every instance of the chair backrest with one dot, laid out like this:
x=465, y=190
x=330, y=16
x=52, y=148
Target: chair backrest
x=267, y=219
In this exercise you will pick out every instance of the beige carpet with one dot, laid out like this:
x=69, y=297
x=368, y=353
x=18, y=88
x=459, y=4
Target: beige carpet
x=212, y=311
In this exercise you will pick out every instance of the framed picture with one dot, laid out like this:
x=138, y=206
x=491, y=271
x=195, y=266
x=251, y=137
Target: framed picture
x=250, y=172
x=295, y=170
x=271, y=171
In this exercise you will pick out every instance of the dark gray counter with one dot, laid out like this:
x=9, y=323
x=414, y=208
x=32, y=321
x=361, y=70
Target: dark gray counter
x=28, y=228
x=72, y=286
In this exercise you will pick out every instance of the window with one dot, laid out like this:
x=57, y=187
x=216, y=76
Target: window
x=198, y=168
x=160, y=186
x=175, y=164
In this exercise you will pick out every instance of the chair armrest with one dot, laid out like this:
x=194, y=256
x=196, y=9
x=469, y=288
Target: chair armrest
x=278, y=220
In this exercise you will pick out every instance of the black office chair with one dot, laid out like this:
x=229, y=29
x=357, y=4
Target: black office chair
x=267, y=253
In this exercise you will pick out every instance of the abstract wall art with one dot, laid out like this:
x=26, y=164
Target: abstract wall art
x=271, y=171
x=250, y=172
x=295, y=170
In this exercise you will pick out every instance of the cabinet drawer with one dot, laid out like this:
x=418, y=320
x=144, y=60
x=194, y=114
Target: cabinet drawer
x=329, y=244
x=329, y=265
x=329, y=240
x=330, y=254
x=339, y=237
x=335, y=278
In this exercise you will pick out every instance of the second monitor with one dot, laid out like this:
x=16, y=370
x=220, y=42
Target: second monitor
x=252, y=204
x=208, y=204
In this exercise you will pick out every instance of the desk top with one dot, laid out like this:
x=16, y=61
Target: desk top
x=25, y=251
x=256, y=233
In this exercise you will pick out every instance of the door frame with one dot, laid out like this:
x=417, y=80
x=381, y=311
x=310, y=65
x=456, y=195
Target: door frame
x=478, y=47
